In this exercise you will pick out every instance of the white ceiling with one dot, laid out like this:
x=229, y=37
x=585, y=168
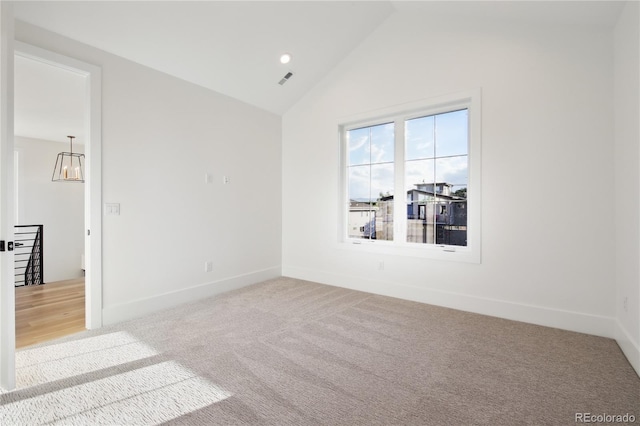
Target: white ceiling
x=49, y=101
x=230, y=47
x=590, y=13
x=233, y=47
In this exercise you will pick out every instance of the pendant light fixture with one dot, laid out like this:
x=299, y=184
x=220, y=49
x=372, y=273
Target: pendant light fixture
x=68, y=166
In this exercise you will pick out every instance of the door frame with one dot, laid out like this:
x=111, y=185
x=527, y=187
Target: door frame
x=7, y=282
x=92, y=187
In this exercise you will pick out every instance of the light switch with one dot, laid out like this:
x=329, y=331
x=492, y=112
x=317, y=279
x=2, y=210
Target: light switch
x=208, y=178
x=112, y=209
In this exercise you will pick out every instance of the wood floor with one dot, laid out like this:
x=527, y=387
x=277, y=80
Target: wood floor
x=49, y=311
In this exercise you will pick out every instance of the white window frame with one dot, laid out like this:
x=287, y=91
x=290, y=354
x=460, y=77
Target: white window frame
x=470, y=100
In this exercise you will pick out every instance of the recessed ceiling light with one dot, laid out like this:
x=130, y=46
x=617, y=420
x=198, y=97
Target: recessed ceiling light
x=285, y=58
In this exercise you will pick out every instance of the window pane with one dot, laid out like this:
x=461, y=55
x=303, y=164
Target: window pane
x=459, y=191
x=384, y=219
x=451, y=223
x=360, y=183
x=382, y=181
x=452, y=133
x=438, y=220
x=382, y=143
x=436, y=188
x=361, y=215
x=361, y=221
x=371, y=182
x=371, y=145
x=421, y=226
x=419, y=138
x=419, y=172
x=358, y=146
x=452, y=170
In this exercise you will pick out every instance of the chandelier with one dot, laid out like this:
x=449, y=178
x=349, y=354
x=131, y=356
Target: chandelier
x=68, y=166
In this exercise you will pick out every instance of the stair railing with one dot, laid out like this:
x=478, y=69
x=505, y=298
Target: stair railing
x=29, y=256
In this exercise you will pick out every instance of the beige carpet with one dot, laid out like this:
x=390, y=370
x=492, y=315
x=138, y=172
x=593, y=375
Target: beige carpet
x=289, y=352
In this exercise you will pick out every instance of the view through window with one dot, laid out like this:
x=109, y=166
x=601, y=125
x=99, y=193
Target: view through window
x=371, y=180
x=432, y=169
x=436, y=176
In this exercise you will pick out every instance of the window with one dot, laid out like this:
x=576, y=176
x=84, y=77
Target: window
x=436, y=169
x=415, y=171
x=370, y=170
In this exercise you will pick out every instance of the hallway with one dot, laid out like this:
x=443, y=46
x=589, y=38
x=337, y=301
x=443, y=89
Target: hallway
x=48, y=311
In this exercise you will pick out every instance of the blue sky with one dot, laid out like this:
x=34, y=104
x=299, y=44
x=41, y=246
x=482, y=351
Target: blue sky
x=371, y=155
x=435, y=150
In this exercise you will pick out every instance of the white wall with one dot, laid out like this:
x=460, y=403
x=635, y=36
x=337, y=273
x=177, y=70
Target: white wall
x=547, y=172
x=161, y=135
x=627, y=181
x=58, y=206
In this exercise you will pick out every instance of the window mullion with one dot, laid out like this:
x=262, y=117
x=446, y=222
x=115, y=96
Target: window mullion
x=372, y=213
x=400, y=196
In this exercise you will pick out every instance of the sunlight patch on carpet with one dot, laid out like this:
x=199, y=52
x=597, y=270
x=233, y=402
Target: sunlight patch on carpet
x=27, y=357
x=148, y=395
x=64, y=360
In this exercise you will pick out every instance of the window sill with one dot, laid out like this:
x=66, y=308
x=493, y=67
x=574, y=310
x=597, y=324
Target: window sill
x=434, y=252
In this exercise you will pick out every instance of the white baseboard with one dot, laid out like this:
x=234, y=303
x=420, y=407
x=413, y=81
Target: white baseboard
x=629, y=346
x=539, y=315
x=141, y=307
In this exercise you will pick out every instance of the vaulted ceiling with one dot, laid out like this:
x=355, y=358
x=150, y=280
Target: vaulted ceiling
x=233, y=47
x=230, y=47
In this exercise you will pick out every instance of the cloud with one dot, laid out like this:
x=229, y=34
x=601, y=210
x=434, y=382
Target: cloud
x=371, y=145
x=357, y=141
x=453, y=170
x=368, y=182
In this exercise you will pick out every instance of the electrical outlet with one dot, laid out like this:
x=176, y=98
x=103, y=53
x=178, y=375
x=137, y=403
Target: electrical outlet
x=226, y=179
x=208, y=266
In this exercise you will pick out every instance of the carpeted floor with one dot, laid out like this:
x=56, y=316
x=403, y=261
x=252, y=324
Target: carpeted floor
x=290, y=352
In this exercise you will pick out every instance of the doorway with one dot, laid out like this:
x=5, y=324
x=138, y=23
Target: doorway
x=86, y=256
x=49, y=103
